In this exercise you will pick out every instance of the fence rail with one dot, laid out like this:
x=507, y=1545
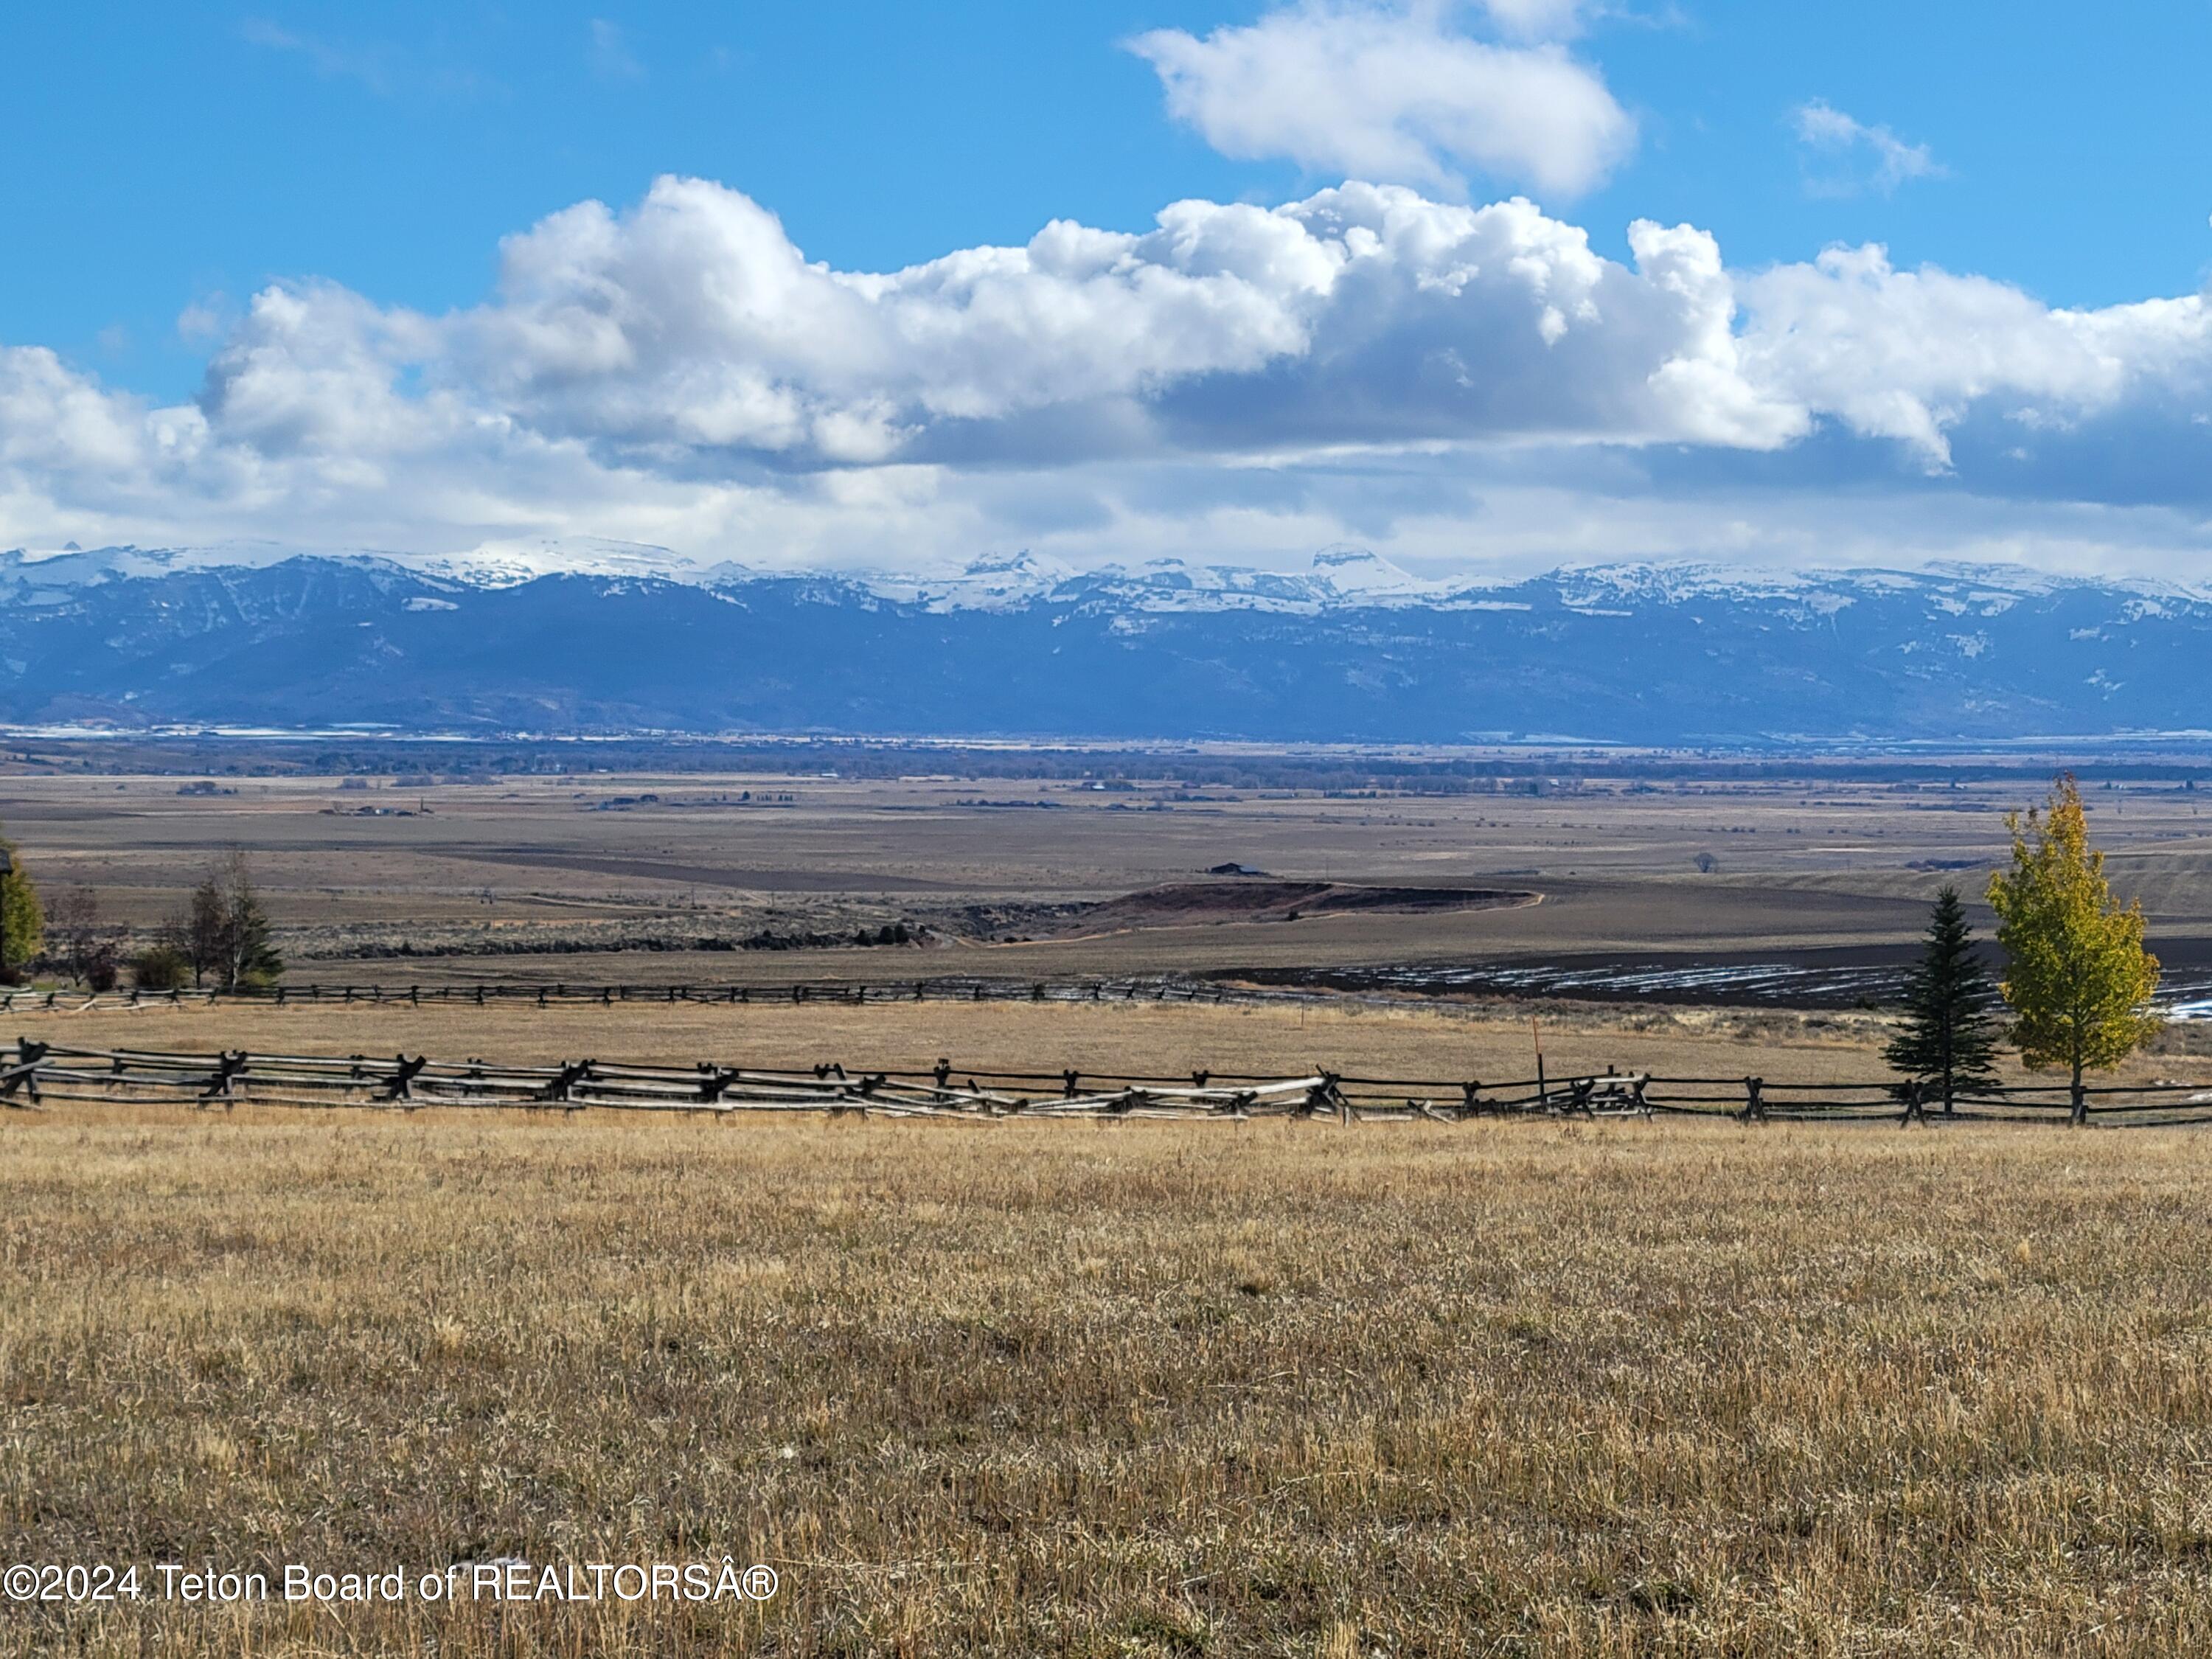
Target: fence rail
x=40, y=1072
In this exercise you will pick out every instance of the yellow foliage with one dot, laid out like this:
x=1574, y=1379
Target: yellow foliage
x=2077, y=977
x=23, y=921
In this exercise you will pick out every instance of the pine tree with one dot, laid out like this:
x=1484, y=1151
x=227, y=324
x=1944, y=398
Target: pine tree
x=2076, y=974
x=1949, y=1037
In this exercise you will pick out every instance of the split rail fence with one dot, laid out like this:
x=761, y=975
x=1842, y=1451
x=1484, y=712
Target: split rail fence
x=41, y=1073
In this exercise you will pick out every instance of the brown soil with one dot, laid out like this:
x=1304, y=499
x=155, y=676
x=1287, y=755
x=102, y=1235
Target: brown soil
x=1185, y=904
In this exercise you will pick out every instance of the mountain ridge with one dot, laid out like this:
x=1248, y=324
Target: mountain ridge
x=1339, y=574
x=614, y=636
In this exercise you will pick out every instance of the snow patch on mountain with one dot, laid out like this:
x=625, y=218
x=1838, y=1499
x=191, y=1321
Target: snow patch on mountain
x=1339, y=577
x=1008, y=582
x=510, y=563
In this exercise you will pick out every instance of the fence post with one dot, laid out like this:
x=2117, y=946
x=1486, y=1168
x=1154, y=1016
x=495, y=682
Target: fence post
x=1754, y=1106
x=25, y=1073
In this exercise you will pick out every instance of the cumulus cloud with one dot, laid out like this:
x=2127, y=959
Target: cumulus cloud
x=1852, y=156
x=1906, y=355
x=1366, y=361
x=1399, y=94
x=692, y=330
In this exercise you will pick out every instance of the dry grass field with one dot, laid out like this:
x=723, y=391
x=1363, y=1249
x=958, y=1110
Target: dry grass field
x=1275, y=1389
x=1019, y=1388
x=1413, y=1040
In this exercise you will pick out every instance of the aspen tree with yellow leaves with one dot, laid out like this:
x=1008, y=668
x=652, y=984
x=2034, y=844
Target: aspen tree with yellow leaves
x=2077, y=977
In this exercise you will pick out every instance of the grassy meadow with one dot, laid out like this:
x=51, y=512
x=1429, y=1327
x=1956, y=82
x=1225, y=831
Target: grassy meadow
x=1414, y=1038
x=1274, y=1388
x=1020, y=1388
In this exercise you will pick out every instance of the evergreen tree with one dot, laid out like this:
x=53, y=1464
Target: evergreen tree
x=2076, y=974
x=1949, y=1037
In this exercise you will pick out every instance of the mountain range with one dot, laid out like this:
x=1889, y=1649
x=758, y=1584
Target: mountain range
x=579, y=637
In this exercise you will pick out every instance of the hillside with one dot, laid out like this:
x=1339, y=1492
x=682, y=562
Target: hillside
x=1353, y=649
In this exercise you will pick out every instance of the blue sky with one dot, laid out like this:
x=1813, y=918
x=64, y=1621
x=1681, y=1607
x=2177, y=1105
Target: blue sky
x=256, y=283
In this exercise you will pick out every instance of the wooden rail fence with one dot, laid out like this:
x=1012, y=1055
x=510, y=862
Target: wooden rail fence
x=39, y=1073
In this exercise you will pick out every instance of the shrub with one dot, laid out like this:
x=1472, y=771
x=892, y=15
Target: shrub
x=162, y=968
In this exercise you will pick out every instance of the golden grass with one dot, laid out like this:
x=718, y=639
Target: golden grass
x=1418, y=1039
x=1274, y=1388
x=1413, y=1040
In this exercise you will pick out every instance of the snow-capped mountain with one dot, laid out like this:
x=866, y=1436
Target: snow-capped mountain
x=567, y=636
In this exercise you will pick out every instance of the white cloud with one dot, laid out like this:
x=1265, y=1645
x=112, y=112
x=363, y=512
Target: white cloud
x=1397, y=94
x=371, y=66
x=202, y=322
x=611, y=57
x=1429, y=378
x=692, y=332
x=1539, y=20
x=1906, y=355
x=1847, y=148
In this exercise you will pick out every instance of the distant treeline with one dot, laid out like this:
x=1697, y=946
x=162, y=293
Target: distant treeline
x=418, y=763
